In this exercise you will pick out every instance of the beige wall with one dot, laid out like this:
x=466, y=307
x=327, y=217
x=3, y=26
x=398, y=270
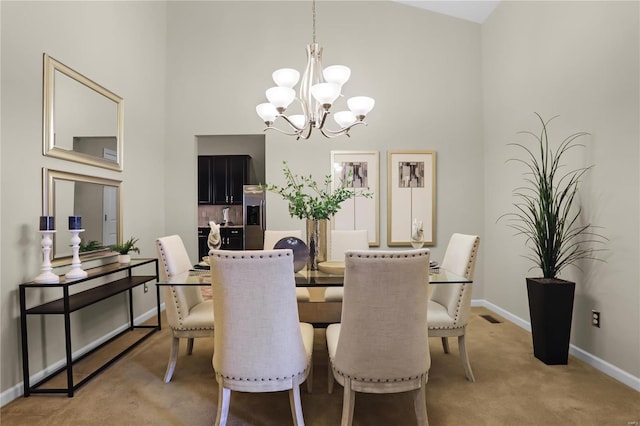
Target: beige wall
x=121, y=45
x=578, y=60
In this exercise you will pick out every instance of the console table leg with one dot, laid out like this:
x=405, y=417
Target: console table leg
x=67, y=339
x=25, y=342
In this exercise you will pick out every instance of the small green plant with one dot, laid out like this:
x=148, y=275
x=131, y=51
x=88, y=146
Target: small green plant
x=307, y=200
x=126, y=247
x=90, y=246
x=547, y=211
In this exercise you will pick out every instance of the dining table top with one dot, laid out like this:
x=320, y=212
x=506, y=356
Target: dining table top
x=308, y=278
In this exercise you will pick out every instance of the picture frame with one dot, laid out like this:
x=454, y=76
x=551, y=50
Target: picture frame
x=411, y=195
x=362, y=169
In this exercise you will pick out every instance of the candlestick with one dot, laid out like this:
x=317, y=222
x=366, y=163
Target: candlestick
x=75, y=222
x=47, y=223
x=46, y=276
x=76, y=271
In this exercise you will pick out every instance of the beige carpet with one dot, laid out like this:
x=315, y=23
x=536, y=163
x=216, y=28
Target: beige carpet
x=512, y=388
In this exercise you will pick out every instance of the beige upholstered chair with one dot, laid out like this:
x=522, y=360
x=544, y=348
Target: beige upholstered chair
x=381, y=345
x=260, y=345
x=271, y=237
x=341, y=241
x=188, y=315
x=449, y=305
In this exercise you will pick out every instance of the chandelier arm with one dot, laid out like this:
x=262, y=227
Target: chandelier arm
x=282, y=131
x=323, y=118
x=343, y=131
x=331, y=134
x=293, y=126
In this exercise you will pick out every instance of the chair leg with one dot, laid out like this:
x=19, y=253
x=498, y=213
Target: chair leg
x=224, y=396
x=189, y=345
x=173, y=358
x=348, y=402
x=420, y=405
x=296, y=405
x=310, y=377
x=330, y=378
x=465, y=359
x=445, y=345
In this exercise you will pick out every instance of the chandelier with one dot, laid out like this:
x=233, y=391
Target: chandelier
x=319, y=89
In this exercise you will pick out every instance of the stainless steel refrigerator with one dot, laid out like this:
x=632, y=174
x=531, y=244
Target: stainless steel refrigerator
x=253, y=209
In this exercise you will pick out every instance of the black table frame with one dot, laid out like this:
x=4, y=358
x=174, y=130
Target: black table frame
x=69, y=303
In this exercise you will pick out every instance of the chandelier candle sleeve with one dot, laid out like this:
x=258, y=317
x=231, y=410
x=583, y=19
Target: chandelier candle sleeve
x=47, y=223
x=75, y=222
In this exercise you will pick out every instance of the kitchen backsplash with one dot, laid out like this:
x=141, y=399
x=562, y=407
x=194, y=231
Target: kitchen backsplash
x=212, y=212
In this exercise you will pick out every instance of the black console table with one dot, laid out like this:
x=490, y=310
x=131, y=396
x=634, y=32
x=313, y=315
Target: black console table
x=72, y=302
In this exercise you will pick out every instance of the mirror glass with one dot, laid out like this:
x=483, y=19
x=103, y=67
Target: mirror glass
x=96, y=200
x=82, y=120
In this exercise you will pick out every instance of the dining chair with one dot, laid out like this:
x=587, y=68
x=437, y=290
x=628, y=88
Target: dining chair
x=259, y=344
x=188, y=314
x=341, y=241
x=450, y=305
x=271, y=237
x=381, y=344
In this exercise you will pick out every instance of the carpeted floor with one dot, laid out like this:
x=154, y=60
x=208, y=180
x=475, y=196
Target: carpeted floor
x=512, y=388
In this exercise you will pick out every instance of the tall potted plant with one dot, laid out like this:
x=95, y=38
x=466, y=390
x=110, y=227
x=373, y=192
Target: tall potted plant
x=549, y=217
x=316, y=204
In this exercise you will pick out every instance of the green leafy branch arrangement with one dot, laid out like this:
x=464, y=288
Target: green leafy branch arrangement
x=547, y=210
x=308, y=200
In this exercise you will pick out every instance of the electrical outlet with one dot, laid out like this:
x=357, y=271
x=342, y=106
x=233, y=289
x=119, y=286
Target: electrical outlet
x=146, y=287
x=595, y=319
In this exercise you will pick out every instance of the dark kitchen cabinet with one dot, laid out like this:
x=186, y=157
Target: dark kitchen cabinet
x=221, y=178
x=231, y=238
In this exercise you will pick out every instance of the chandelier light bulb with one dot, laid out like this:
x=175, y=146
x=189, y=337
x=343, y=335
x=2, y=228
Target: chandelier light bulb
x=338, y=74
x=286, y=77
x=361, y=105
x=267, y=112
x=281, y=97
x=325, y=93
x=345, y=118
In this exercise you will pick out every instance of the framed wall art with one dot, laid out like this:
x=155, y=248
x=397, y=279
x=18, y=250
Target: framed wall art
x=411, y=198
x=358, y=170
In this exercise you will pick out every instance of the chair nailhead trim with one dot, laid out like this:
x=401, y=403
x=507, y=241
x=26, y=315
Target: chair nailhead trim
x=263, y=379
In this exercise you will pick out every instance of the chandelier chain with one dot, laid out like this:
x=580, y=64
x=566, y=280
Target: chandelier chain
x=313, y=9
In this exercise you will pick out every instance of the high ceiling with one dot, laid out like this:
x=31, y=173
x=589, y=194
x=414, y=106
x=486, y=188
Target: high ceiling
x=476, y=11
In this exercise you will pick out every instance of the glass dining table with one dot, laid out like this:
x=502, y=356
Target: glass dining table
x=316, y=311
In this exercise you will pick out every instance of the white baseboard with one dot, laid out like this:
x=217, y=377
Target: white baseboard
x=599, y=364
x=18, y=390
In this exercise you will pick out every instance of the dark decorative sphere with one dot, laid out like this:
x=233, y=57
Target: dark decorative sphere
x=300, y=251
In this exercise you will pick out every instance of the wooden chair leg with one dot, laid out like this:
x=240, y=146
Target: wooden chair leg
x=445, y=345
x=173, y=358
x=348, y=402
x=465, y=359
x=190, y=346
x=310, y=378
x=296, y=405
x=420, y=405
x=224, y=396
x=330, y=378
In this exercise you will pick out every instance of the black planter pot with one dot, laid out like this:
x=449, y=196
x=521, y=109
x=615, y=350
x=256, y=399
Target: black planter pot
x=550, y=308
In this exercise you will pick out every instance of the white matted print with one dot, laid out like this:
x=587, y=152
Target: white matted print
x=358, y=170
x=412, y=195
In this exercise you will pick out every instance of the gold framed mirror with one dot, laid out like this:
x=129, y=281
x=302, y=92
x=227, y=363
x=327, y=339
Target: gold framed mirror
x=82, y=121
x=97, y=200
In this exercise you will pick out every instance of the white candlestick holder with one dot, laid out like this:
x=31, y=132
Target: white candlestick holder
x=46, y=274
x=76, y=271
